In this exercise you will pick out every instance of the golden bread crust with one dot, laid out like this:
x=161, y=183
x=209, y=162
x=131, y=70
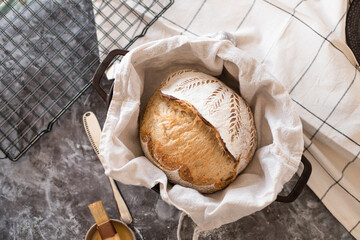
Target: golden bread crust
x=177, y=139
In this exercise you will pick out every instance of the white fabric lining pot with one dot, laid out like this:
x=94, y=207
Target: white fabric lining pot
x=280, y=144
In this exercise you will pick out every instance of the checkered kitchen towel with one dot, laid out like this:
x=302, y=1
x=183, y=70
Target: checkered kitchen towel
x=303, y=44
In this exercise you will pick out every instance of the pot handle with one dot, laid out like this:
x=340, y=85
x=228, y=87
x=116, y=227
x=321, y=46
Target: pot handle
x=301, y=183
x=101, y=70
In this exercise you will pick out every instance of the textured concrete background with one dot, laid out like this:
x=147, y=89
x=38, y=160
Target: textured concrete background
x=45, y=194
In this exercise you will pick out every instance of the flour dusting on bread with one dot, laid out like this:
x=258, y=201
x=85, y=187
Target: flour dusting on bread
x=198, y=131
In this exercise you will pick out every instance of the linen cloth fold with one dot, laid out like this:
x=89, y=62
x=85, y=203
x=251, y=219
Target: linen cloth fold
x=279, y=130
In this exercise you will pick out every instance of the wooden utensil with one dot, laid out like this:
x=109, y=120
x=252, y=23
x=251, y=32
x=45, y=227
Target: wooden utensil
x=93, y=131
x=106, y=229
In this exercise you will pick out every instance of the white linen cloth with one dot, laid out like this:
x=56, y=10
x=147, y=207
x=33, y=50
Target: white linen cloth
x=279, y=130
x=302, y=43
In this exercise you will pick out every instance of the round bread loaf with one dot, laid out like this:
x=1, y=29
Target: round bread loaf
x=198, y=131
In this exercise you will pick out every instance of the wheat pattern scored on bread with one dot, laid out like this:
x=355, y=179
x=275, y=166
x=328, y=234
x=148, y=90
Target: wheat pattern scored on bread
x=191, y=83
x=215, y=99
x=235, y=117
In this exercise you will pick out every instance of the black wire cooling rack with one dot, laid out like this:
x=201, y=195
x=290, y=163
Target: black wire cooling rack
x=49, y=51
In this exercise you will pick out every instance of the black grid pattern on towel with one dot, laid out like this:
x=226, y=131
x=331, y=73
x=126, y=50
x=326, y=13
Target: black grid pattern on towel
x=49, y=51
x=325, y=41
x=324, y=121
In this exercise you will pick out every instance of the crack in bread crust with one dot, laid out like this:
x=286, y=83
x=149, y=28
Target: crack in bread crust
x=178, y=139
x=203, y=120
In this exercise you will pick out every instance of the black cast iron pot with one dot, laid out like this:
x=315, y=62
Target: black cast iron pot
x=295, y=192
